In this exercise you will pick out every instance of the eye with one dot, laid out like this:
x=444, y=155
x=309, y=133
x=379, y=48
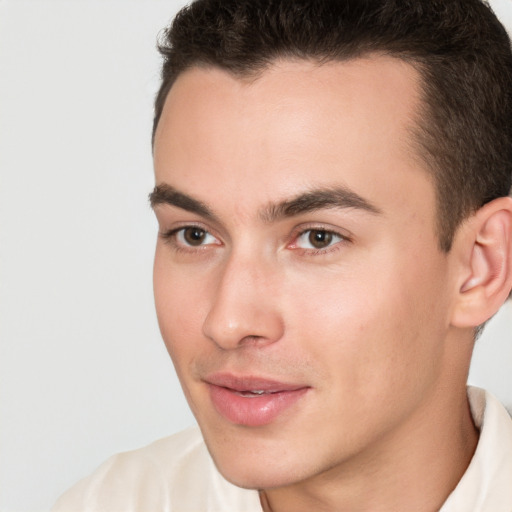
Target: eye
x=317, y=239
x=192, y=236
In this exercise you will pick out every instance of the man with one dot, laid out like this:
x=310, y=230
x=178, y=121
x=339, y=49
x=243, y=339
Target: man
x=335, y=226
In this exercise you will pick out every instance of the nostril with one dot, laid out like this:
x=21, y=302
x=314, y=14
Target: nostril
x=241, y=311
x=243, y=326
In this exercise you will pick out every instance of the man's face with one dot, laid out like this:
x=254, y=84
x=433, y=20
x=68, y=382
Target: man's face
x=298, y=258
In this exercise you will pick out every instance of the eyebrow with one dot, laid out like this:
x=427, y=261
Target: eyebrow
x=318, y=199
x=309, y=201
x=166, y=194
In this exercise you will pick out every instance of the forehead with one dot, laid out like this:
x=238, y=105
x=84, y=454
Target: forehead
x=297, y=124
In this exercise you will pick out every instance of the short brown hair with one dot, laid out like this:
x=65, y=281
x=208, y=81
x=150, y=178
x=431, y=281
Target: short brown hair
x=460, y=49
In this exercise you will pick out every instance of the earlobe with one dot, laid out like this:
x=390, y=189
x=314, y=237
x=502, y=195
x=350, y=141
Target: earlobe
x=487, y=273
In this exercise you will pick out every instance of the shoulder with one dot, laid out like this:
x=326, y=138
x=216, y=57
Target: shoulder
x=172, y=474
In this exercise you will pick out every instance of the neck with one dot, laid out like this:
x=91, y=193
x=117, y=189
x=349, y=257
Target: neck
x=413, y=468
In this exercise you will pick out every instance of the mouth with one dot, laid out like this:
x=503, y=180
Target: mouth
x=251, y=394
x=252, y=401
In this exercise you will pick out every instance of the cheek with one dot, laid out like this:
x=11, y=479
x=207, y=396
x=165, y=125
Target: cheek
x=178, y=305
x=370, y=329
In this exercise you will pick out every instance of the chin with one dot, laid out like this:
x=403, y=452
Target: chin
x=260, y=478
x=258, y=458
x=250, y=471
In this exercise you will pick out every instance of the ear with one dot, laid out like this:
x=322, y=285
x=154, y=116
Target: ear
x=485, y=245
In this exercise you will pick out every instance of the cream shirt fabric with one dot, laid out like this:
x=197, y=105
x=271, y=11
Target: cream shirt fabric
x=176, y=474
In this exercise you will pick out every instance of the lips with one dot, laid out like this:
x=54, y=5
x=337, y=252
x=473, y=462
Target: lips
x=252, y=401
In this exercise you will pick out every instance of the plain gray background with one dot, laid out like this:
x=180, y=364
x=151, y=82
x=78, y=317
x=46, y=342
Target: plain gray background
x=83, y=372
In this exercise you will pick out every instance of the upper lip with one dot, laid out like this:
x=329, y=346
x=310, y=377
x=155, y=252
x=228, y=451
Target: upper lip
x=251, y=383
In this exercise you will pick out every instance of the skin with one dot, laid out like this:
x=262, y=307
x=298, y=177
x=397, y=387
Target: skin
x=366, y=322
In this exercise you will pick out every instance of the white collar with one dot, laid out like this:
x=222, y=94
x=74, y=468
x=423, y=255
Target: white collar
x=486, y=486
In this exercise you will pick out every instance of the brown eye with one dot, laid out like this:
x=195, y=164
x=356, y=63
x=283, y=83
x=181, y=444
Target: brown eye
x=194, y=236
x=320, y=239
x=190, y=237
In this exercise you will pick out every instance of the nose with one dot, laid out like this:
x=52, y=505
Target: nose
x=244, y=308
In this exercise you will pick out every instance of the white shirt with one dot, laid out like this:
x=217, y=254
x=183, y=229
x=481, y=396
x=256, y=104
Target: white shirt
x=177, y=474
x=486, y=486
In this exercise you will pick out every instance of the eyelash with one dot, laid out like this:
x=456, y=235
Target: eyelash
x=320, y=251
x=171, y=235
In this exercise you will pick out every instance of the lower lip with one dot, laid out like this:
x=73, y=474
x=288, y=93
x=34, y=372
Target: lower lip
x=252, y=411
